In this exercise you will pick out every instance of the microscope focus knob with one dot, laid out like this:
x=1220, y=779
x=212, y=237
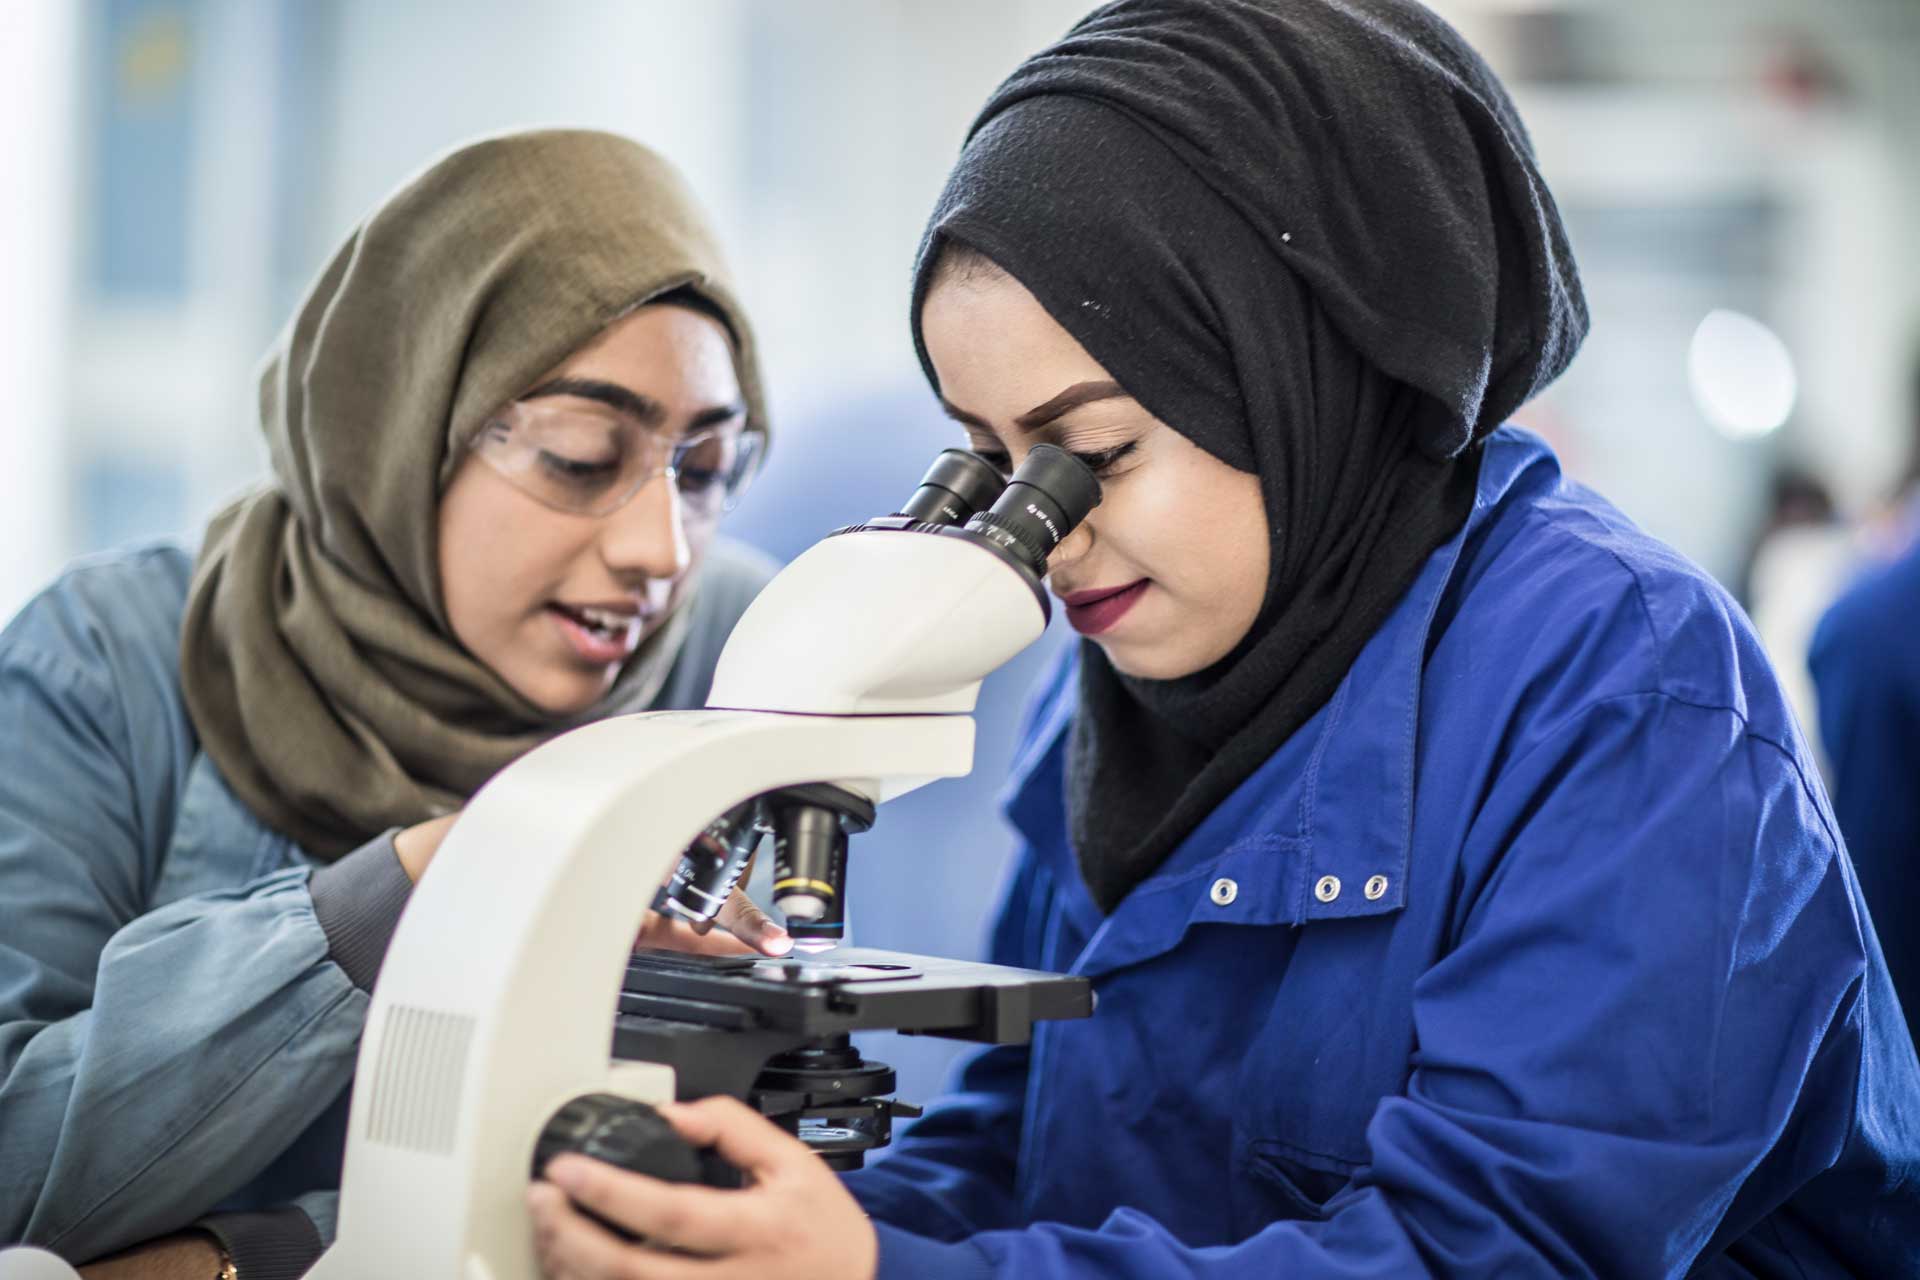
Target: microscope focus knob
x=631, y=1135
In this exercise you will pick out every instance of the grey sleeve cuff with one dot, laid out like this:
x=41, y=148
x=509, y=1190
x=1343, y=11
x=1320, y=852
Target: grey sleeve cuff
x=278, y=1244
x=358, y=901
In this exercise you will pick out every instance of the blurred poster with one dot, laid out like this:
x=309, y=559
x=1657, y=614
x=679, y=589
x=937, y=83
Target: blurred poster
x=139, y=106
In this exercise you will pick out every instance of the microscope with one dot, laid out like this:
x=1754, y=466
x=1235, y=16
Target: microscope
x=513, y=1020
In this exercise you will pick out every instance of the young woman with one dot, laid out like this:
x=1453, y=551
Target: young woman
x=1458, y=894
x=503, y=426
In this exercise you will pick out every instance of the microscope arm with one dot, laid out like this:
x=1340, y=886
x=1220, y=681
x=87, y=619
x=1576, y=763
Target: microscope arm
x=496, y=1000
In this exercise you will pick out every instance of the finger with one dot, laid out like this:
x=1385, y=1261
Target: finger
x=717, y=943
x=553, y=1218
x=545, y=1203
x=571, y=1246
x=704, y=1220
x=746, y=921
x=674, y=935
x=742, y=1136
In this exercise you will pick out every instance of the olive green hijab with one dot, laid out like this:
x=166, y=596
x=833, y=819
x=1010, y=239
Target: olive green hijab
x=316, y=657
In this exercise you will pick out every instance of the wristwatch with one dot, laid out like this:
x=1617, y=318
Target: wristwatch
x=227, y=1270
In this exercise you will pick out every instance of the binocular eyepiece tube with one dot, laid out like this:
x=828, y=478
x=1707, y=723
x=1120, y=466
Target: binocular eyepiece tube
x=1049, y=495
x=956, y=485
x=1028, y=515
x=1023, y=518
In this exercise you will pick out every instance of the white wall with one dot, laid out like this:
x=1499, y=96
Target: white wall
x=414, y=79
x=817, y=134
x=1845, y=167
x=37, y=39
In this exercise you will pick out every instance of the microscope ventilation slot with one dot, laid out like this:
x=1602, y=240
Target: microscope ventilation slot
x=417, y=1084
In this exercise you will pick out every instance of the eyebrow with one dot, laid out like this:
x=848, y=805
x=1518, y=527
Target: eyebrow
x=648, y=411
x=1080, y=393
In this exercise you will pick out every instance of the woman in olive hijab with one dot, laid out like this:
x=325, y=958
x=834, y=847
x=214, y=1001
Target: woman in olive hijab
x=503, y=426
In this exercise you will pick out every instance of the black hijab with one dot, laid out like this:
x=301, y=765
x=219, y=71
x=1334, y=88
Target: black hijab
x=1310, y=236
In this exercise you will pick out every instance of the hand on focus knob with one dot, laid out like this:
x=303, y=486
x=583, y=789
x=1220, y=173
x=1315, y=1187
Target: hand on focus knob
x=792, y=1221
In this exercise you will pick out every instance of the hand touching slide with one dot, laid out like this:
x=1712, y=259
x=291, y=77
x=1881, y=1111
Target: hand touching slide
x=744, y=927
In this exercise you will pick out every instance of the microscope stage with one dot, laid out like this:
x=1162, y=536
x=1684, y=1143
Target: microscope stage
x=849, y=989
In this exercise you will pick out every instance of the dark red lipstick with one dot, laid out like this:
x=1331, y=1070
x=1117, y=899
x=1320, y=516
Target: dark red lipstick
x=1091, y=612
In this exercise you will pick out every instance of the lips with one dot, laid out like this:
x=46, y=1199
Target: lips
x=599, y=617
x=1092, y=612
x=1078, y=599
x=598, y=635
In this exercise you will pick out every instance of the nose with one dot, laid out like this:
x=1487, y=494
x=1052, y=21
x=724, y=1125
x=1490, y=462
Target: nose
x=1072, y=547
x=647, y=538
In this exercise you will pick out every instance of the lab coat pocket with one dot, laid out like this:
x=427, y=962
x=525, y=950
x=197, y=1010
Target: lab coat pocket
x=1291, y=1183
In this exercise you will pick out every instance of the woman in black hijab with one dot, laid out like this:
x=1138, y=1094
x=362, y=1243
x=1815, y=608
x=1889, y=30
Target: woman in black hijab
x=1458, y=895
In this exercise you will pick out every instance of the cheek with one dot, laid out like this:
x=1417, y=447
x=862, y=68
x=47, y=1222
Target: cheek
x=497, y=562
x=1244, y=548
x=1203, y=539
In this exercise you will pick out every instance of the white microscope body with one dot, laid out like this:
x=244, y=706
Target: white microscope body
x=857, y=666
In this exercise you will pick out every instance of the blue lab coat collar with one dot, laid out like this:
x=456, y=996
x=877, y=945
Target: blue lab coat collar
x=1290, y=859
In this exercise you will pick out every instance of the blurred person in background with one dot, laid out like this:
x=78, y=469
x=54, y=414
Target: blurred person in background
x=1865, y=662
x=1801, y=557
x=1457, y=893
x=1797, y=498
x=503, y=426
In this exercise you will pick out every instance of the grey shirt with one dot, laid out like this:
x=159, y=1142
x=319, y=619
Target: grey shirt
x=182, y=989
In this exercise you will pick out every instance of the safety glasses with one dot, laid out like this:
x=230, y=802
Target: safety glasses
x=591, y=462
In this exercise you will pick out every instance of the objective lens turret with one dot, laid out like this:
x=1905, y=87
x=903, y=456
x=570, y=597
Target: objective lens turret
x=711, y=866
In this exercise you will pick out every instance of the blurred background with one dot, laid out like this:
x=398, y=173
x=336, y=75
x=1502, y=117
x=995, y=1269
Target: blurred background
x=1739, y=177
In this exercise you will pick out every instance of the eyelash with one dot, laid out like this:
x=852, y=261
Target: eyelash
x=578, y=470
x=1098, y=463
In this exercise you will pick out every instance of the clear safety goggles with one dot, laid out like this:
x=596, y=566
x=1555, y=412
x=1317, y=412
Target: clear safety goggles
x=591, y=462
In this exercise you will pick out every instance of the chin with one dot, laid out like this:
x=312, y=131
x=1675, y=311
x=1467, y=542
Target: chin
x=1170, y=659
x=563, y=695
x=1147, y=663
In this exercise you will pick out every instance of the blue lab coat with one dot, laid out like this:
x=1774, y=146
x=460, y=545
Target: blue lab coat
x=1534, y=953
x=1865, y=661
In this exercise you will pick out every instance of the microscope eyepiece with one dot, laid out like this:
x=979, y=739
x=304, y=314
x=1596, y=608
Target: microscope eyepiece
x=956, y=485
x=1048, y=497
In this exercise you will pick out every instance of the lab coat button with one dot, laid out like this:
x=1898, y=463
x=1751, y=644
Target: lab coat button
x=1376, y=888
x=1224, y=892
x=1328, y=889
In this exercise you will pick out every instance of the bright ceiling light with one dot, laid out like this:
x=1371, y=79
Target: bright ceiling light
x=1741, y=374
